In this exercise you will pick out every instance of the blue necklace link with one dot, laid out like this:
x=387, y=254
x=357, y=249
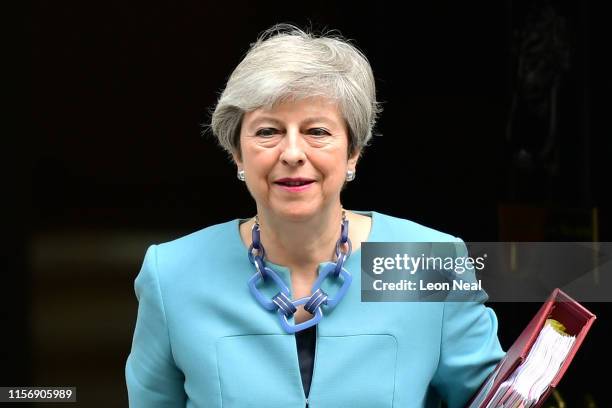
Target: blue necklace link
x=281, y=302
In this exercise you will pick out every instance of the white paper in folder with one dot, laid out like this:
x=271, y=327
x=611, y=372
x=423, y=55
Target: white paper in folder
x=530, y=380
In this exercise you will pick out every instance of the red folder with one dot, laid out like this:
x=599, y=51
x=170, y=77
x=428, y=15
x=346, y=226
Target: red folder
x=559, y=306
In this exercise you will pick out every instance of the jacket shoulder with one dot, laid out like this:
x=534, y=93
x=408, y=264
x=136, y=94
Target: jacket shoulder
x=205, y=243
x=403, y=230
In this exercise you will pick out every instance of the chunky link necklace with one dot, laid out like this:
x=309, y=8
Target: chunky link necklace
x=281, y=303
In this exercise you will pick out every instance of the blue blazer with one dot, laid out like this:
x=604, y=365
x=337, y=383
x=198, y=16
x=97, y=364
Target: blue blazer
x=201, y=340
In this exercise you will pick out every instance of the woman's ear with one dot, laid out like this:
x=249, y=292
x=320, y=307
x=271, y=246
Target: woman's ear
x=236, y=157
x=354, y=158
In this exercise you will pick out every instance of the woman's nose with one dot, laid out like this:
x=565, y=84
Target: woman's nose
x=293, y=153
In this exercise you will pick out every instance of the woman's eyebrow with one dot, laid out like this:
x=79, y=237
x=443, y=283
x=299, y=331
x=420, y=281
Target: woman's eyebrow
x=261, y=119
x=323, y=119
x=307, y=121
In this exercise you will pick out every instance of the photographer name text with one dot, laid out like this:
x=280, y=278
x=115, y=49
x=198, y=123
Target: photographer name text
x=406, y=285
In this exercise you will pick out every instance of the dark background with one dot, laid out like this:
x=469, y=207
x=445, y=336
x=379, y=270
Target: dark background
x=495, y=127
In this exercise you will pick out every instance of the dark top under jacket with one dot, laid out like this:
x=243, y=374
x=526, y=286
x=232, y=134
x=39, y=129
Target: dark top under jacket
x=306, y=342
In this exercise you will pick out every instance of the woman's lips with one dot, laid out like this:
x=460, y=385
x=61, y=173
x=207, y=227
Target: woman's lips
x=293, y=186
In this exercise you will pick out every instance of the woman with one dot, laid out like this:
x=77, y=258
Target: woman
x=234, y=315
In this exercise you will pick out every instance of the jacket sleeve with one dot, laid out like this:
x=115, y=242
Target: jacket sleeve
x=469, y=349
x=152, y=377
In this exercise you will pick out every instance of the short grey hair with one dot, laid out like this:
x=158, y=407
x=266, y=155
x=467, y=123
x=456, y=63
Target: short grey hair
x=288, y=63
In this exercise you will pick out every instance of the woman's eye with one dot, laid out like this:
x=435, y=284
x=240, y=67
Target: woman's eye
x=319, y=132
x=266, y=132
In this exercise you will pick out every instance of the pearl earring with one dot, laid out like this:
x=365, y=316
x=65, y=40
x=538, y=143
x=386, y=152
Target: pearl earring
x=240, y=175
x=350, y=175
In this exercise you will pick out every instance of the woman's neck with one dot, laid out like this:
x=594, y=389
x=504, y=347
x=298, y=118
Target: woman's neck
x=300, y=244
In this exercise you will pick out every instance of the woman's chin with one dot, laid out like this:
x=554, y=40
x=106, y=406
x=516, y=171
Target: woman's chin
x=297, y=213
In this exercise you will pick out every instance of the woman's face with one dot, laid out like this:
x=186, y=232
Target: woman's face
x=295, y=157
